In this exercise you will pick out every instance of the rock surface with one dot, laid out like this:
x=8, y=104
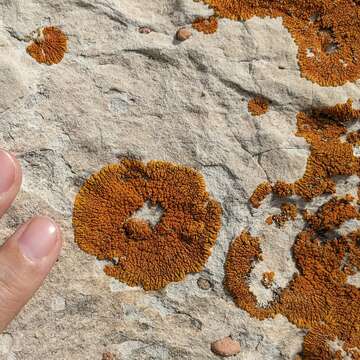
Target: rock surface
x=121, y=93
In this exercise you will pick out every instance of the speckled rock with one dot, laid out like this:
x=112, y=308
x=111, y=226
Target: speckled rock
x=204, y=284
x=119, y=93
x=144, y=30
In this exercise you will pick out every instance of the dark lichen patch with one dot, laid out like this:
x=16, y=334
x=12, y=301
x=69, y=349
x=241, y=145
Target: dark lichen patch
x=48, y=46
x=326, y=33
x=151, y=256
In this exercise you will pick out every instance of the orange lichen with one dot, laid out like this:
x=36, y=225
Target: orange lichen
x=268, y=279
x=326, y=33
x=332, y=214
x=283, y=189
x=108, y=356
x=258, y=106
x=353, y=138
x=142, y=254
x=48, y=46
x=288, y=212
x=318, y=298
x=206, y=25
x=330, y=156
x=260, y=193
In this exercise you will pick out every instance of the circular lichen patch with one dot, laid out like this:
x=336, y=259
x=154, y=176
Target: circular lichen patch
x=141, y=253
x=48, y=46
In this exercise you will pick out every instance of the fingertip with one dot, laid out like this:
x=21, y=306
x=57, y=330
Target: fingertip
x=26, y=259
x=41, y=238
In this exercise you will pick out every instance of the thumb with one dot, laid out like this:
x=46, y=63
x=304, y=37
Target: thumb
x=25, y=260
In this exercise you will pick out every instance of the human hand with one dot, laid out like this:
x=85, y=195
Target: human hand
x=28, y=255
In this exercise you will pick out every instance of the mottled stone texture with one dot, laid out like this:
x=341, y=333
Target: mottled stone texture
x=119, y=92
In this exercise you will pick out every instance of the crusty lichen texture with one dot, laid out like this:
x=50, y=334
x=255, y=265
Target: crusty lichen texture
x=268, y=279
x=318, y=298
x=48, y=46
x=326, y=32
x=206, y=25
x=260, y=193
x=258, y=106
x=330, y=155
x=142, y=254
x=288, y=212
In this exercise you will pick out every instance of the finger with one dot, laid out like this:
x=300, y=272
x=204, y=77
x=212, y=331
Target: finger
x=25, y=260
x=10, y=180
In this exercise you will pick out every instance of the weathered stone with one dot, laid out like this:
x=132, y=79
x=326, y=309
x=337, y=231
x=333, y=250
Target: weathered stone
x=120, y=93
x=58, y=303
x=204, y=284
x=144, y=30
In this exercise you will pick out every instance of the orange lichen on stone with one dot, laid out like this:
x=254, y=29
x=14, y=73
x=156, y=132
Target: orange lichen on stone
x=330, y=156
x=353, y=138
x=48, y=46
x=318, y=298
x=108, y=356
x=258, y=106
x=142, y=254
x=280, y=188
x=268, y=279
x=283, y=189
x=260, y=193
x=288, y=212
x=326, y=33
x=332, y=214
x=244, y=252
x=206, y=25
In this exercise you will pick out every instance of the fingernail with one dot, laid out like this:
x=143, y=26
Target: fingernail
x=38, y=238
x=7, y=171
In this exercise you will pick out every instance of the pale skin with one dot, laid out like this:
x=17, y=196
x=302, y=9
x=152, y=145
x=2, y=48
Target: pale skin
x=28, y=255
